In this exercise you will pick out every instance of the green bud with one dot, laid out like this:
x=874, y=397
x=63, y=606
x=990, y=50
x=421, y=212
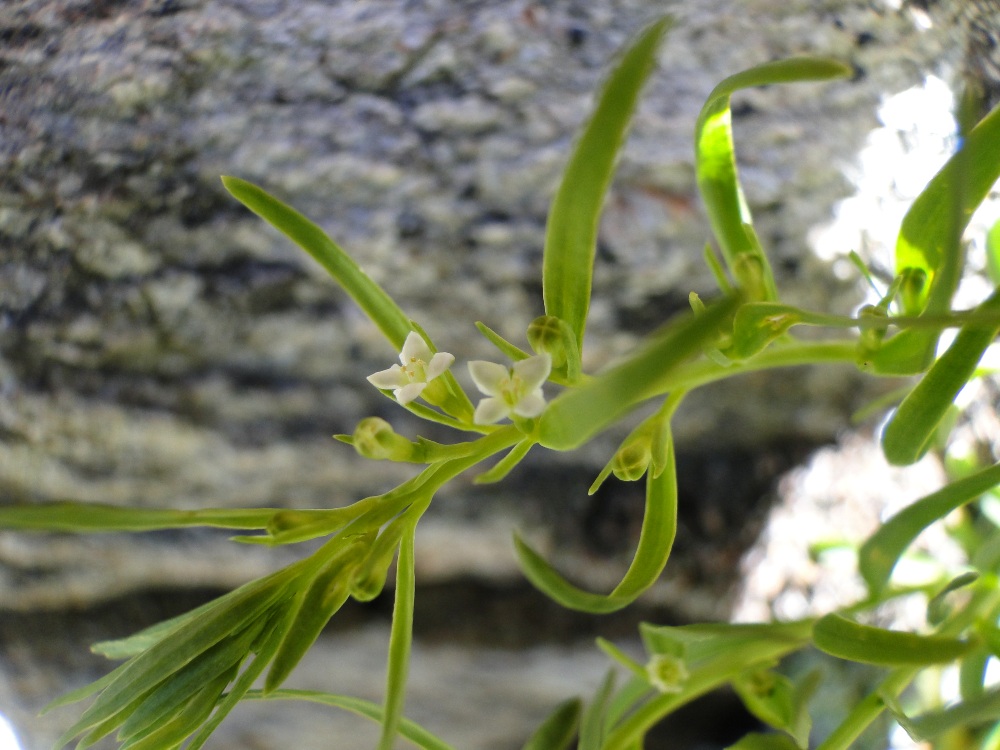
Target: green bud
x=375, y=438
x=912, y=290
x=550, y=335
x=751, y=276
x=632, y=459
x=667, y=673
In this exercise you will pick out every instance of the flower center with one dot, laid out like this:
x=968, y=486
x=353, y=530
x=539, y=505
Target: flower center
x=511, y=389
x=416, y=370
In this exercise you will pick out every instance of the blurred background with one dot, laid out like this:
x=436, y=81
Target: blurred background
x=160, y=346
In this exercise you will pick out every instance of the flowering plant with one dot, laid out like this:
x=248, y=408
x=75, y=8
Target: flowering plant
x=182, y=677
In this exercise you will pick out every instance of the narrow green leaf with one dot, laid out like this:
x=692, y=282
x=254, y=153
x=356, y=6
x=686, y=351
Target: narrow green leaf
x=326, y=593
x=559, y=729
x=659, y=526
x=993, y=253
x=506, y=348
x=760, y=741
x=929, y=242
x=592, y=724
x=170, y=697
x=578, y=414
x=718, y=180
x=878, y=556
x=82, y=518
x=505, y=465
x=408, y=729
x=932, y=724
x=400, y=640
x=183, y=723
x=571, y=231
x=836, y=635
x=369, y=296
x=908, y=434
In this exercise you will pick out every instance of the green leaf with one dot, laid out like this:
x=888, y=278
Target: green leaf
x=369, y=296
x=559, y=729
x=909, y=433
x=993, y=253
x=506, y=348
x=82, y=518
x=400, y=640
x=760, y=741
x=932, y=724
x=778, y=702
x=576, y=415
x=326, y=593
x=408, y=729
x=592, y=723
x=878, y=556
x=505, y=465
x=836, y=635
x=659, y=526
x=571, y=231
x=717, y=174
x=929, y=243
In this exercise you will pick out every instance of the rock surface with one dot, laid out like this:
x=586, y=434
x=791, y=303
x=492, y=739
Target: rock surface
x=159, y=345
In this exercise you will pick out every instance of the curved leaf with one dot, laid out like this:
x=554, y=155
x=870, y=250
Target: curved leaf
x=717, y=174
x=578, y=414
x=571, y=231
x=659, y=526
x=878, y=556
x=559, y=729
x=370, y=297
x=836, y=635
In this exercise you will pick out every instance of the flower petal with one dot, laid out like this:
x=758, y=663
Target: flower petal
x=394, y=377
x=488, y=376
x=533, y=371
x=414, y=348
x=490, y=410
x=409, y=392
x=530, y=405
x=439, y=364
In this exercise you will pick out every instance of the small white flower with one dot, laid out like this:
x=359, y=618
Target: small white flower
x=418, y=368
x=515, y=390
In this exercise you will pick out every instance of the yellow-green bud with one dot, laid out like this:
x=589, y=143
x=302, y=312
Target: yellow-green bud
x=546, y=335
x=667, y=673
x=375, y=438
x=632, y=459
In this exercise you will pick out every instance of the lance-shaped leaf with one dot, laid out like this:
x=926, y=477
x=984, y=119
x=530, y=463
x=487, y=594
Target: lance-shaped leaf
x=909, y=433
x=408, y=729
x=838, y=636
x=932, y=724
x=929, y=245
x=717, y=175
x=571, y=231
x=370, y=297
x=578, y=414
x=659, y=526
x=878, y=555
x=400, y=640
x=99, y=517
x=559, y=729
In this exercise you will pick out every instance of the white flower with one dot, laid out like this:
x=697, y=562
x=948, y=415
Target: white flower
x=516, y=390
x=419, y=367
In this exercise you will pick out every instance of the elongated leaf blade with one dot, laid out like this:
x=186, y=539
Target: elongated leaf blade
x=578, y=414
x=571, y=231
x=715, y=162
x=929, y=242
x=400, y=640
x=370, y=297
x=879, y=555
x=838, y=636
x=99, y=517
x=659, y=526
x=366, y=709
x=558, y=730
x=908, y=434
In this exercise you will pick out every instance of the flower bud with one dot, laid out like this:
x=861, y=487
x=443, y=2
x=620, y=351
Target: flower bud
x=632, y=459
x=546, y=335
x=375, y=438
x=667, y=673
